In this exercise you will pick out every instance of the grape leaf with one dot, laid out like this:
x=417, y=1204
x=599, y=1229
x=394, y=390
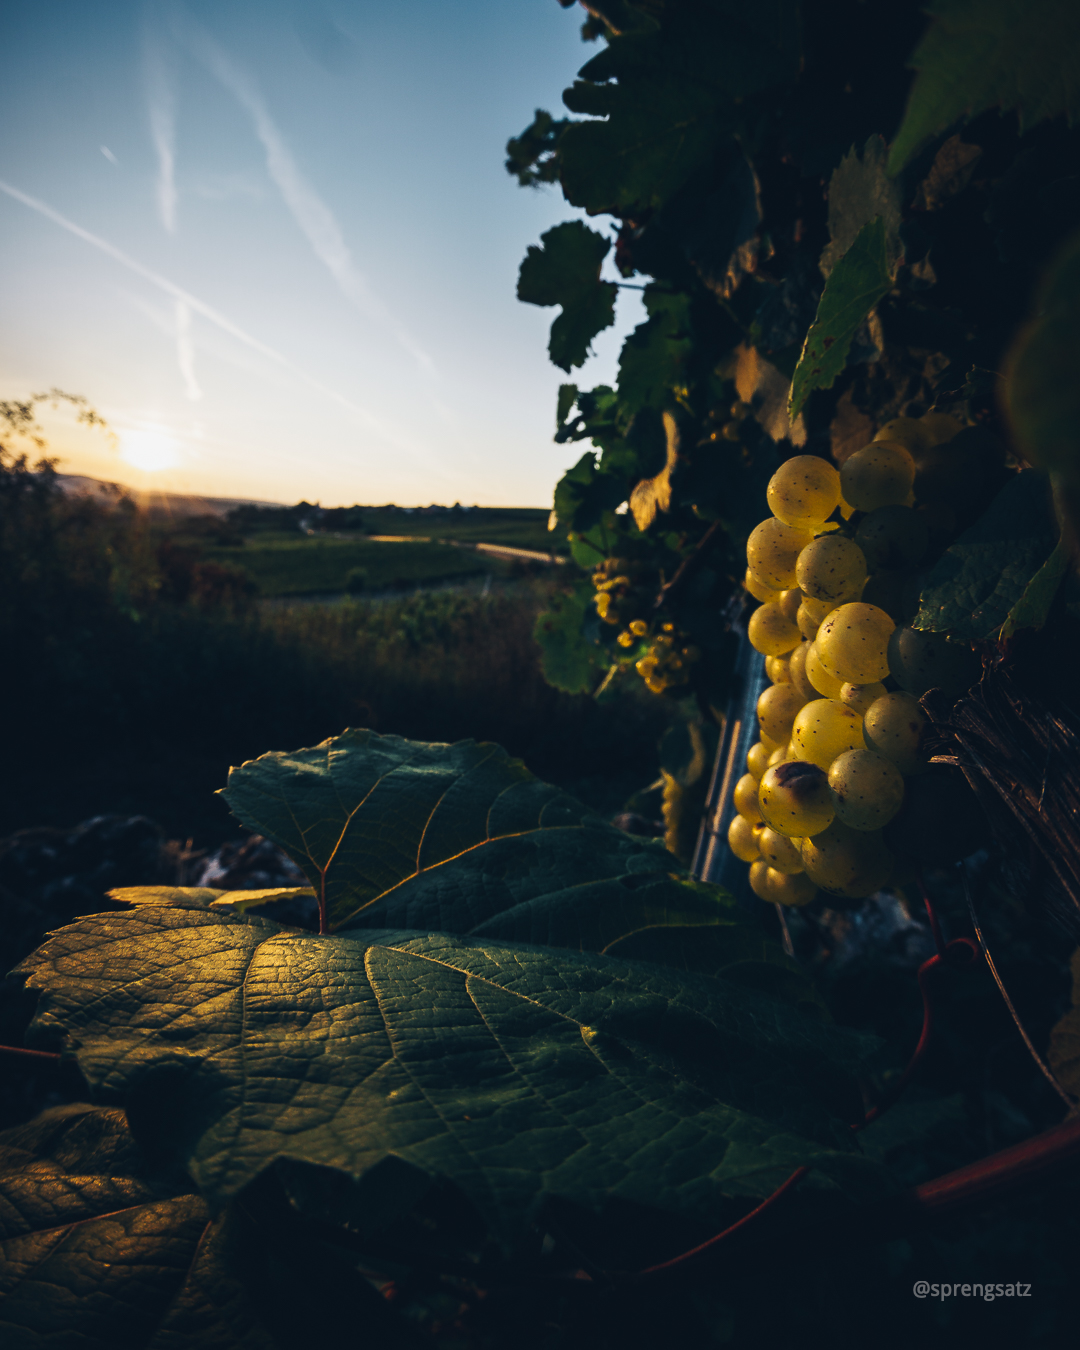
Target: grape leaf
x=981, y=54
x=856, y=283
x=568, y=659
x=652, y=495
x=860, y=190
x=566, y=272
x=457, y=838
x=1033, y=608
x=513, y=1072
x=978, y=581
x=99, y=1252
x=654, y=356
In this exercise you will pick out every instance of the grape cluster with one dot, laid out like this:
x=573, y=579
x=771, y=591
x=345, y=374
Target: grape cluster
x=660, y=654
x=841, y=728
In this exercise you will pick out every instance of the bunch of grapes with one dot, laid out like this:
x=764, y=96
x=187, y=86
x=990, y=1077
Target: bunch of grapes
x=841, y=754
x=660, y=654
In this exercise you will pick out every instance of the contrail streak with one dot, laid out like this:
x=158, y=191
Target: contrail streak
x=185, y=351
x=194, y=304
x=310, y=212
x=163, y=133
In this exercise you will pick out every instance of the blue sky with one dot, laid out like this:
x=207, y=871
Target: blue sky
x=275, y=245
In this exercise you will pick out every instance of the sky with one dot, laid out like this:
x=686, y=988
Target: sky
x=274, y=244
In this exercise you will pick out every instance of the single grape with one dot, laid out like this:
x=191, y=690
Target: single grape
x=824, y=729
x=746, y=799
x=806, y=623
x=880, y=474
x=789, y=602
x=906, y=431
x=893, y=537
x=852, y=643
x=768, y=742
x=867, y=789
x=846, y=862
x=757, y=761
x=832, y=569
x=817, y=609
x=940, y=427
x=804, y=491
x=920, y=661
x=859, y=697
x=794, y=799
x=741, y=840
x=824, y=683
x=941, y=820
x=776, y=709
x=771, y=552
x=769, y=884
x=965, y=473
x=781, y=853
x=771, y=632
x=776, y=668
x=758, y=589
x=797, y=670
x=780, y=755
x=895, y=726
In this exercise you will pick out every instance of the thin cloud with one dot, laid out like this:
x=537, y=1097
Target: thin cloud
x=108, y=154
x=310, y=212
x=185, y=351
x=162, y=101
x=197, y=306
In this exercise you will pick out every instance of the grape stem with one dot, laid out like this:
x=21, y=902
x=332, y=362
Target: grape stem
x=17, y=1050
x=1044, y=1068
x=931, y=913
x=957, y=954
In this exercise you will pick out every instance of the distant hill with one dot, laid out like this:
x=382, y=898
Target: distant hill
x=157, y=502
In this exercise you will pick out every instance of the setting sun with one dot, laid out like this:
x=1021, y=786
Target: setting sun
x=149, y=450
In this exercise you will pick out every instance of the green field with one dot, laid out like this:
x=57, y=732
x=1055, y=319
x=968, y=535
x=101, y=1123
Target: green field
x=519, y=527
x=291, y=565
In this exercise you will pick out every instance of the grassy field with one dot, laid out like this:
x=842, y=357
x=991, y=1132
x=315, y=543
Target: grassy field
x=520, y=527
x=284, y=565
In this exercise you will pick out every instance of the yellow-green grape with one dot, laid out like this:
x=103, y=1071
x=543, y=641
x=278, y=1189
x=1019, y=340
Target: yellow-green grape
x=846, y=862
x=771, y=631
x=776, y=668
x=804, y=491
x=625, y=639
x=880, y=474
x=776, y=709
x=794, y=799
x=757, y=761
x=789, y=602
x=853, y=643
x=920, y=661
x=638, y=627
x=758, y=589
x=868, y=789
x=895, y=727
x=746, y=799
x=939, y=427
x=824, y=682
x=781, y=853
x=831, y=569
x=768, y=742
x=817, y=609
x=893, y=537
x=860, y=696
x=769, y=884
x=821, y=731
x=780, y=754
x=771, y=552
x=741, y=840
x=806, y=623
x=797, y=671
x=908, y=432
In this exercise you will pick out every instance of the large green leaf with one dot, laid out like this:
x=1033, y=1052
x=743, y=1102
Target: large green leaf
x=980, y=54
x=98, y=1252
x=456, y=838
x=855, y=285
x=566, y=271
x=982, y=578
x=654, y=357
x=514, y=1072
